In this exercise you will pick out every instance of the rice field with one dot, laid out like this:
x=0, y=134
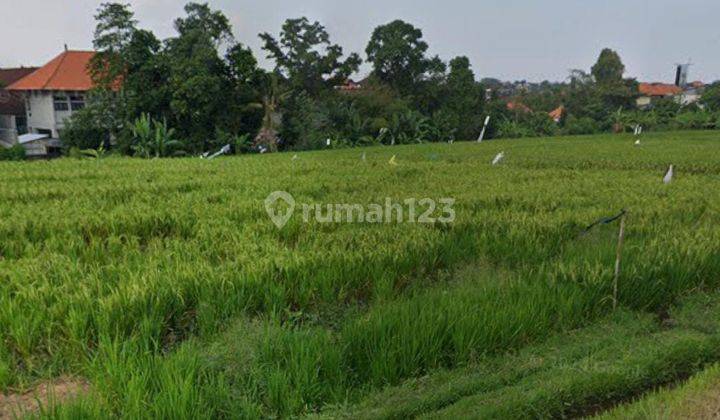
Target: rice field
x=167, y=288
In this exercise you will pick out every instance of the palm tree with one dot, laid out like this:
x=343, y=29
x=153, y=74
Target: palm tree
x=271, y=98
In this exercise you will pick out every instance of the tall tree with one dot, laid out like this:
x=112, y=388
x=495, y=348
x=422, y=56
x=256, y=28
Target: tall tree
x=464, y=99
x=397, y=52
x=245, y=104
x=609, y=68
x=614, y=91
x=199, y=82
x=113, y=33
x=307, y=58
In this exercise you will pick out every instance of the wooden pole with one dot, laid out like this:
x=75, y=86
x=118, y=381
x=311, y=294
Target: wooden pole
x=618, y=259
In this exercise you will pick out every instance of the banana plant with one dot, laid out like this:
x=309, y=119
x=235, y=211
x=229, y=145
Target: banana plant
x=164, y=144
x=142, y=135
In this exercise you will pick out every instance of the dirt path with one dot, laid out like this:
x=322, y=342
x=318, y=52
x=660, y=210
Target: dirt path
x=59, y=390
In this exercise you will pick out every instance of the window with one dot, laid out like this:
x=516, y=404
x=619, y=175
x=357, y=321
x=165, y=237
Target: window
x=61, y=103
x=77, y=102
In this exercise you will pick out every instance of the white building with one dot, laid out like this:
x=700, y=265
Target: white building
x=52, y=93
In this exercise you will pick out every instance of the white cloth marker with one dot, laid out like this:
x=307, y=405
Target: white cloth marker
x=669, y=176
x=500, y=156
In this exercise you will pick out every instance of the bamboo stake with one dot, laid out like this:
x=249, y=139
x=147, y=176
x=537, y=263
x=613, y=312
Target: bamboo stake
x=618, y=259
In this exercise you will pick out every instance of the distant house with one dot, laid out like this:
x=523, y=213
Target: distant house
x=349, y=86
x=653, y=91
x=13, y=119
x=51, y=94
x=692, y=93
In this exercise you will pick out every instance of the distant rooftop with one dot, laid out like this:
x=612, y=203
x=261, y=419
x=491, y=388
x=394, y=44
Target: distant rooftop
x=659, y=89
x=11, y=103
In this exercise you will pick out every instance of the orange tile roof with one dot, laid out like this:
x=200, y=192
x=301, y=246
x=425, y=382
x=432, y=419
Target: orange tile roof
x=659, y=89
x=67, y=71
x=557, y=113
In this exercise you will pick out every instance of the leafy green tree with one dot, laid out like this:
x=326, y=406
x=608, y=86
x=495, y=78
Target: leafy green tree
x=304, y=123
x=711, y=97
x=397, y=53
x=113, y=33
x=245, y=113
x=202, y=22
x=609, y=68
x=464, y=99
x=614, y=91
x=106, y=108
x=199, y=86
x=307, y=58
x=242, y=64
x=146, y=83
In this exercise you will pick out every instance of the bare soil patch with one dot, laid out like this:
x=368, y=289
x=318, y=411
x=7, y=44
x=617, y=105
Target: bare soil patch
x=47, y=393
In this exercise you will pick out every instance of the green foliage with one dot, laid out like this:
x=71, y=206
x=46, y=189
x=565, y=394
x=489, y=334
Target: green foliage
x=307, y=58
x=114, y=32
x=16, y=152
x=397, y=53
x=711, y=97
x=85, y=130
x=98, y=153
x=209, y=89
x=578, y=126
x=609, y=68
x=153, y=139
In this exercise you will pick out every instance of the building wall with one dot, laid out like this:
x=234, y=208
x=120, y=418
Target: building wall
x=40, y=112
x=44, y=115
x=644, y=101
x=688, y=98
x=8, y=130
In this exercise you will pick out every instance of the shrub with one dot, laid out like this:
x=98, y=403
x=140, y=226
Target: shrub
x=577, y=126
x=17, y=152
x=84, y=131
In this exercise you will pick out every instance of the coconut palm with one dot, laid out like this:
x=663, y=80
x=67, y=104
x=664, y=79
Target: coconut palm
x=271, y=98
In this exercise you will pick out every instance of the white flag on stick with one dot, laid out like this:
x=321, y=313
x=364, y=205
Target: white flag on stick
x=482, y=133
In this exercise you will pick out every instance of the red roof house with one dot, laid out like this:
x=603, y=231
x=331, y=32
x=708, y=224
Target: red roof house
x=52, y=94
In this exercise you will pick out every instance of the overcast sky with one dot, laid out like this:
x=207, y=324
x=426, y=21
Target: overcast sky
x=509, y=39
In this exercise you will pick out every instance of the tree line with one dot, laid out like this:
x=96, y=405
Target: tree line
x=202, y=89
